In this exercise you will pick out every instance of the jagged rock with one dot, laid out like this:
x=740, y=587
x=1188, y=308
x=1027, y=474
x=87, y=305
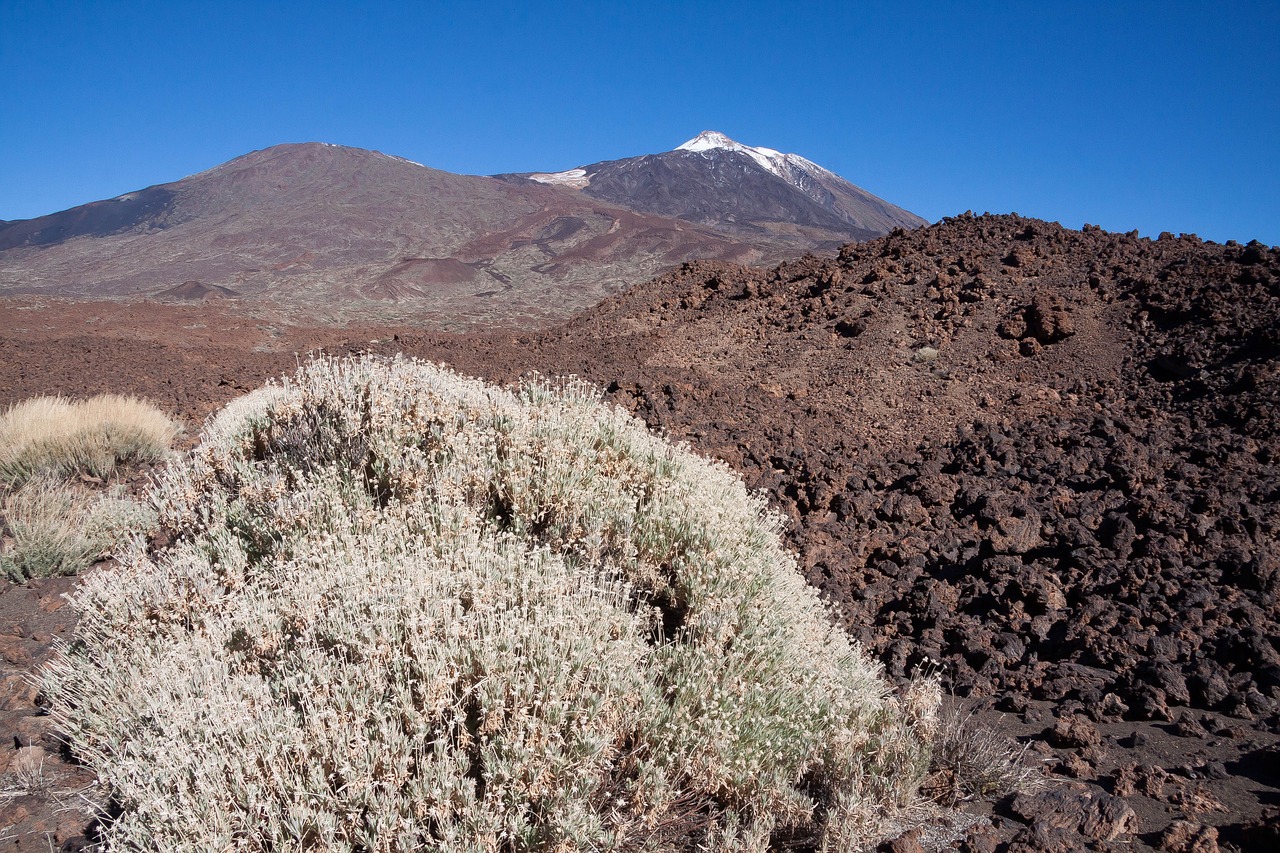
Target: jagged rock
x=907, y=842
x=14, y=649
x=1090, y=814
x=980, y=838
x=1013, y=523
x=1048, y=320
x=850, y=327
x=1073, y=731
x=1183, y=836
x=1261, y=833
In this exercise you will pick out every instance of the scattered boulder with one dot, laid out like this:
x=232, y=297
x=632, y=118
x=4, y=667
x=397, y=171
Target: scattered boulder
x=1048, y=320
x=1073, y=731
x=1087, y=813
x=1184, y=836
x=907, y=842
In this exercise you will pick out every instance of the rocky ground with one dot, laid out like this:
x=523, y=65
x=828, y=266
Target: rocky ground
x=1043, y=461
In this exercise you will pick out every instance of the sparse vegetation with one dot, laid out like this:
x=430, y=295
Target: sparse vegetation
x=971, y=760
x=925, y=355
x=55, y=528
x=406, y=610
x=54, y=436
x=28, y=771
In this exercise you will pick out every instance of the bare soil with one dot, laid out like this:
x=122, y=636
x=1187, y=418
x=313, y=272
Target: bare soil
x=1043, y=461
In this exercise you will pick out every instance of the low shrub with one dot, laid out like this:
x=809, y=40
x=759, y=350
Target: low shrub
x=404, y=610
x=59, y=529
x=54, y=436
x=971, y=760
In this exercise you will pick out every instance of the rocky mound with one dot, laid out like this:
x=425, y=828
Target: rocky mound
x=1045, y=458
x=197, y=291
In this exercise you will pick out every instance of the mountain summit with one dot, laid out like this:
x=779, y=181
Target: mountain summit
x=782, y=165
x=754, y=193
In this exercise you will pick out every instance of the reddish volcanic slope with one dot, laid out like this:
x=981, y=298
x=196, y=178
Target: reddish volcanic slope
x=1048, y=457
x=338, y=234
x=1046, y=462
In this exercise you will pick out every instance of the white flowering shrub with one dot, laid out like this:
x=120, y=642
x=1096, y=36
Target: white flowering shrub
x=403, y=610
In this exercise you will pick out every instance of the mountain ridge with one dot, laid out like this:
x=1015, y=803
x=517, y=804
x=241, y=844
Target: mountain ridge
x=747, y=191
x=302, y=225
x=347, y=234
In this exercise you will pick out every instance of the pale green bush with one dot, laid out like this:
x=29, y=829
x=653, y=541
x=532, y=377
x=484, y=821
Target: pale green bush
x=56, y=528
x=53, y=436
x=404, y=610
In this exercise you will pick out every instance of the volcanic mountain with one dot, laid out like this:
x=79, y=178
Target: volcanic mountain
x=752, y=193
x=339, y=234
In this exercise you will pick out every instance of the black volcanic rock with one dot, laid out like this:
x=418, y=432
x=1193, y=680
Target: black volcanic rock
x=751, y=192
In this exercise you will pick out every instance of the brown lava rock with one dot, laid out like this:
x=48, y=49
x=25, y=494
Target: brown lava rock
x=1183, y=836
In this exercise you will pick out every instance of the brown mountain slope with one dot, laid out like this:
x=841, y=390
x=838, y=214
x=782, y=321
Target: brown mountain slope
x=337, y=234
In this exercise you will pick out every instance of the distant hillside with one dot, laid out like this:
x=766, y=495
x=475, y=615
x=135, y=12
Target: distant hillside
x=330, y=233
x=342, y=233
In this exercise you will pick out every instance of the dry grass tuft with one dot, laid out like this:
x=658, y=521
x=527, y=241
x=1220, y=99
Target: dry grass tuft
x=55, y=528
x=54, y=436
x=971, y=760
x=404, y=610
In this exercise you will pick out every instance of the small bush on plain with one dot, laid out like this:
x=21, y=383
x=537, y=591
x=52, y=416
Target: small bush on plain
x=54, y=436
x=403, y=610
x=55, y=528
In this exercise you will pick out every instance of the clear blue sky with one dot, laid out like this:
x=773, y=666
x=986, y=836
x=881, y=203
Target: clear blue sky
x=1155, y=116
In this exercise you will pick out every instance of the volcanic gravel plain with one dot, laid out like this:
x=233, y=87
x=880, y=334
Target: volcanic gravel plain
x=1044, y=462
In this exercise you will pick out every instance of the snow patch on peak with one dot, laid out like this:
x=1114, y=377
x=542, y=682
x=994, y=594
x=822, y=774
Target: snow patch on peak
x=805, y=175
x=796, y=161
x=709, y=139
x=766, y=158
x=401, y=159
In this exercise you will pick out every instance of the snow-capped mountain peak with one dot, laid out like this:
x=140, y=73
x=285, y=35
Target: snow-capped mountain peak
x=710, y=140
x=790, y=167
x=713, y=180
x=715, y=139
